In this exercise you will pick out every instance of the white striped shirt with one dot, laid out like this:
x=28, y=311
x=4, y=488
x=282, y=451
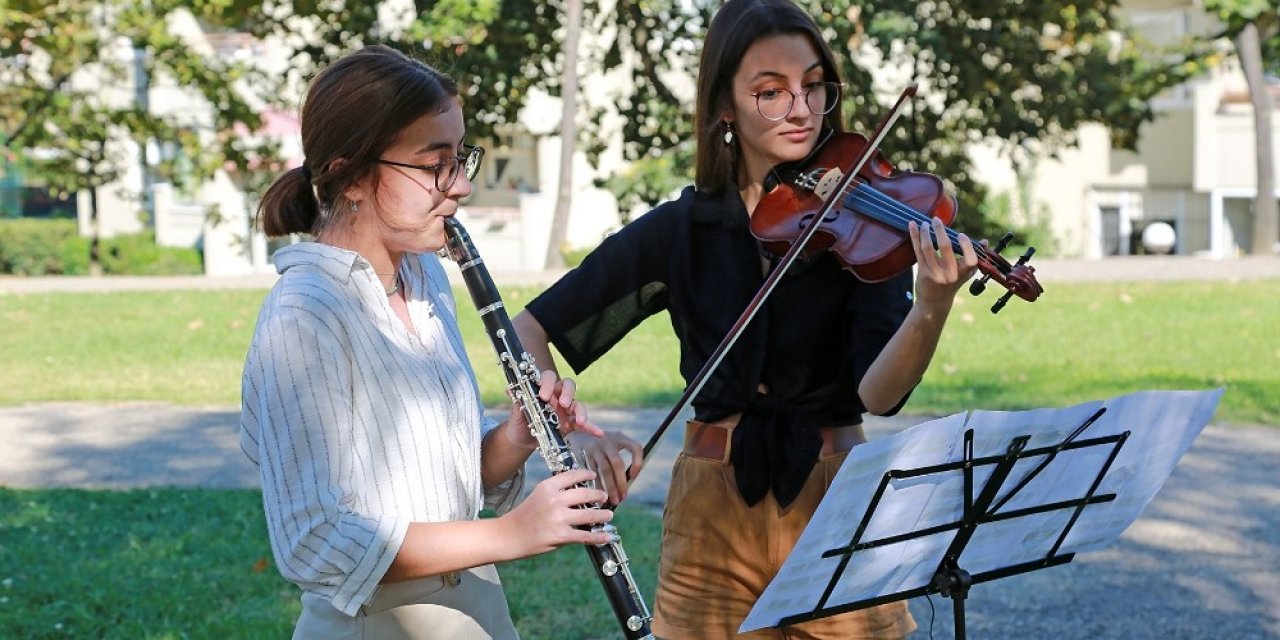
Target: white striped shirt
x=359, y=426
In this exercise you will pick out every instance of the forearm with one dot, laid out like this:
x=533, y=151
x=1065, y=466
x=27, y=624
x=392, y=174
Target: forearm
x=433, y=548
x=503, y=452
x=903, y=361
x=535, y=341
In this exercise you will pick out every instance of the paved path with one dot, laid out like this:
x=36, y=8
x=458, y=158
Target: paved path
x=1202, y=562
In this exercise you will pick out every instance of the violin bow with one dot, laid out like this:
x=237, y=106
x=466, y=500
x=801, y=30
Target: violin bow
x=775, y=275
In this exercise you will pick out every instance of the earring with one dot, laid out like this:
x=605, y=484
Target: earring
x=355, y=206
x=728, y=133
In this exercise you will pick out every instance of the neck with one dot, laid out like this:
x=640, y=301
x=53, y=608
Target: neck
x=751, y=181
x=368, y=245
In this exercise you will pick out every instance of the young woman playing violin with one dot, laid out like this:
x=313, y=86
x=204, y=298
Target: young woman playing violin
x=776, y=418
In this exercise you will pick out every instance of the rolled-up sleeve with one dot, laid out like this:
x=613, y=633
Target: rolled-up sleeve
x=298, y=389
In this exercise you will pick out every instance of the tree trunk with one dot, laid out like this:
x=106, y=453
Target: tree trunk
x=1265, y=216
x=95, y=233
x=568, y=138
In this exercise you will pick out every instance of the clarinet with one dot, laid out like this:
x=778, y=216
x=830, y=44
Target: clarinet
x=523, y=378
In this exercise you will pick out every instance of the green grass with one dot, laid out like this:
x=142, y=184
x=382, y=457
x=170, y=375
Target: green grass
x=1078, y=342
x=190, y=563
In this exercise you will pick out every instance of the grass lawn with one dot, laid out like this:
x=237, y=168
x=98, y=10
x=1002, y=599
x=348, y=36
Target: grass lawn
x=170, y=563
x=1078, y=342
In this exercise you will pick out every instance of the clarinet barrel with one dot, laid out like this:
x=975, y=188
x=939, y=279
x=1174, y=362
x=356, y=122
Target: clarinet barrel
x=610, y=560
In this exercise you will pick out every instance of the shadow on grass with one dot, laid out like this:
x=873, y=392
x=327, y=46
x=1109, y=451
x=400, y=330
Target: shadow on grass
x=122, y=446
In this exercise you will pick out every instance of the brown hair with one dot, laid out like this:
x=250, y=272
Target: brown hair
x=353, y=112
x=735, y=27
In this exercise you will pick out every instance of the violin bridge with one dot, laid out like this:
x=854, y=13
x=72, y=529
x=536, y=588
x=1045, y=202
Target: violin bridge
x=828, y=182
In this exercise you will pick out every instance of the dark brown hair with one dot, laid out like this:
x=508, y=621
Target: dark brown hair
x=735, y=27
x=354, y=110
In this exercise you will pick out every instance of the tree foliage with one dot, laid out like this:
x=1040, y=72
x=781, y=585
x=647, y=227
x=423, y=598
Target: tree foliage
x=497, y=50
x=1024, y=74
x=1265, y=14
x=64, y=65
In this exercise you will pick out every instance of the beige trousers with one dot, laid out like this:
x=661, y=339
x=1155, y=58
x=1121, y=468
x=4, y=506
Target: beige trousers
x=416, y=609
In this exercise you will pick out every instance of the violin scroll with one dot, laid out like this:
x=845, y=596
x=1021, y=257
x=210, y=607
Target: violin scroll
x=1018, y=278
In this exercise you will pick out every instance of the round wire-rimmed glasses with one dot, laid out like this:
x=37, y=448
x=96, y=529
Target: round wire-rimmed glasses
x=776, y=104
x=446, y=171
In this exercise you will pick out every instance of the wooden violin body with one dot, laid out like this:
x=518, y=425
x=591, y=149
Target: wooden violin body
x=864, y=219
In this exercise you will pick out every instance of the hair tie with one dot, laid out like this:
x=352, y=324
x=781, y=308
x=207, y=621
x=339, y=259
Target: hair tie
x=306, y=172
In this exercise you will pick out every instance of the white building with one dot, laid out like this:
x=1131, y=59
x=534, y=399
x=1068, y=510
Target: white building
x=1193, y=169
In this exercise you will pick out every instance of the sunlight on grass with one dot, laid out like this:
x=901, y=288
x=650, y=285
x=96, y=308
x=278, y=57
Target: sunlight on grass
x=1078, y=342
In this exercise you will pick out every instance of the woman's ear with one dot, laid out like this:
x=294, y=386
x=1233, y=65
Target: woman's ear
x=355, y=192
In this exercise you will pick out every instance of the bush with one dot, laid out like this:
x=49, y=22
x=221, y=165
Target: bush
x=139, y=255
x=32, y=247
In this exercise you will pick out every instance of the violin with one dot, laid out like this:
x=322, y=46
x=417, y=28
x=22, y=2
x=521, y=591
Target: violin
x=863, y=218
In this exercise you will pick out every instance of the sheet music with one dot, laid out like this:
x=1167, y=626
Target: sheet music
x=1161, y=426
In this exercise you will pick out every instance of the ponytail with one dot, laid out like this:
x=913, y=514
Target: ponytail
x=290, y=205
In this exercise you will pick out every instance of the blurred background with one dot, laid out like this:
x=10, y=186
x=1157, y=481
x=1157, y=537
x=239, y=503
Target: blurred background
x=139, y=135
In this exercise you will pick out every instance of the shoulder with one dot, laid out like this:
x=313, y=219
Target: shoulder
x=311, y=301
x=690, y=207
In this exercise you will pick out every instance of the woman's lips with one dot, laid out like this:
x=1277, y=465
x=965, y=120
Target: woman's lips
x=797, y=135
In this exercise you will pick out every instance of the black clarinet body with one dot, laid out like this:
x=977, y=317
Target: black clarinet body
x=610, y=560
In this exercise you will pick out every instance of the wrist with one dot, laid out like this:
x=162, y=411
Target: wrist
x=931, y=310
x=510, y=546
x=521, y=439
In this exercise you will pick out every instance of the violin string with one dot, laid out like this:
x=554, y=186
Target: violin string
x=892, y=212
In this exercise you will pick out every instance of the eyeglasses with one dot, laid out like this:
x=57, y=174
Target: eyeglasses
x=776, y=104
x=446, y=171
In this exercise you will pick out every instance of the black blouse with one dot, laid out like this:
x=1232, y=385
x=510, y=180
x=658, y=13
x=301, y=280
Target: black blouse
x=809, y=344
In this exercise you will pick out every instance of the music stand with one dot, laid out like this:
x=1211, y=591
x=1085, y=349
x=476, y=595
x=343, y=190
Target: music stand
x=1011, y=507
x=950, y=579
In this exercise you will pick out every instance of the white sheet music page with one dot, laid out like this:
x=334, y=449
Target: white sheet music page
x=1161, y=426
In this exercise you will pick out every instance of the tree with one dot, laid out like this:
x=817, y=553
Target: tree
x=568, y=137
x=1254, y=27
x=1027, y=73
x=497, y=50
x=61, y=66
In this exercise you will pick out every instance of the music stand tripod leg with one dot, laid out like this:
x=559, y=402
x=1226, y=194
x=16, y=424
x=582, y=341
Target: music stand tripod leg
x=954, y=582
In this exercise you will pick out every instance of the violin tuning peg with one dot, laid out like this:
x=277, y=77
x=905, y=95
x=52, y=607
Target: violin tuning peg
x=1004, y=299
x=1003, y=241
x=1031, y=251
x=978, y=286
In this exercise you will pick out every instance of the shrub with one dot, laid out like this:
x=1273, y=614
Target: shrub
x=39, y=247
x=139, y=255
x=34, y=247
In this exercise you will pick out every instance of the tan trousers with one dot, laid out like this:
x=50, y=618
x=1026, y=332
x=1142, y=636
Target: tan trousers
x=425, y=608
x=718, y=555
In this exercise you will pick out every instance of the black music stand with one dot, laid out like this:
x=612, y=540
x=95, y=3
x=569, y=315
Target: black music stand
x=951, y=579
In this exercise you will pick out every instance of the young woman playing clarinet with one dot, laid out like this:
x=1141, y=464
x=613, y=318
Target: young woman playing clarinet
x=360, y=407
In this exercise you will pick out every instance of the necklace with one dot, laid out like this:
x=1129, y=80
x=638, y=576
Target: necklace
x=395, y=285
